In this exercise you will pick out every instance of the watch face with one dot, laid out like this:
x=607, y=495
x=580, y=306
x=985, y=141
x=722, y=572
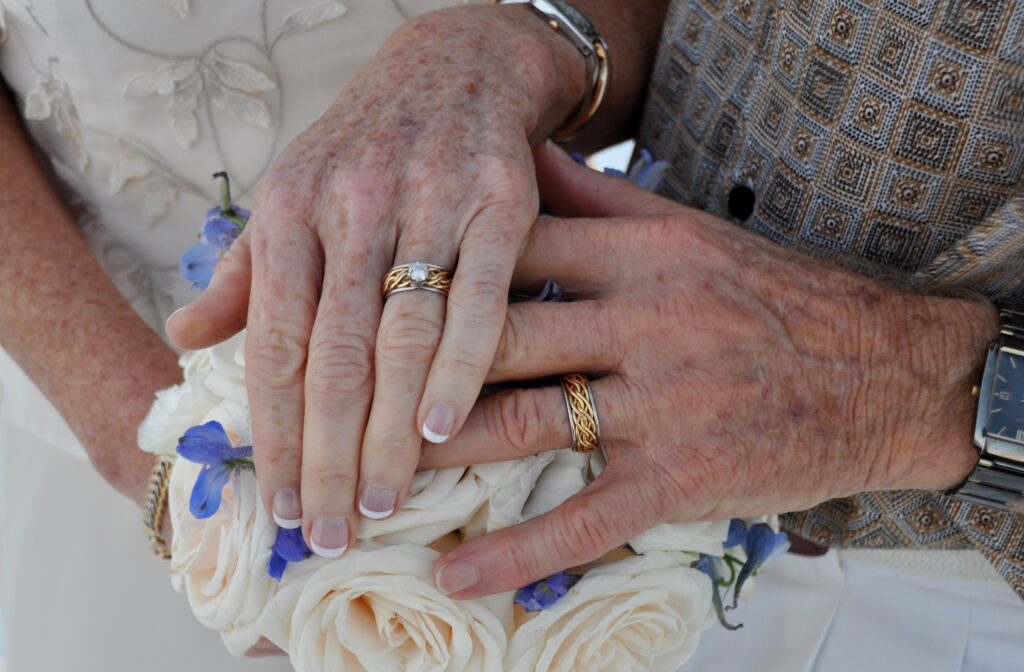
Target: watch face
x=1006, y=407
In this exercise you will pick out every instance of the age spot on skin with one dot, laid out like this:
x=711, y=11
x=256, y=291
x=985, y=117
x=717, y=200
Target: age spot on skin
x=796, y=412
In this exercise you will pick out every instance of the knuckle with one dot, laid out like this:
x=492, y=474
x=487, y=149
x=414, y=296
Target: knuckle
x=408, y=340
x=503, y=182
x=523, y=562
x=510, y=342
x=464, y=360
x=276, y=356
x=340, y=362
x=579, y=535
x=484, y=296
x=602, y=328
x=516, y=420
x=329, y=479
x=275, y=456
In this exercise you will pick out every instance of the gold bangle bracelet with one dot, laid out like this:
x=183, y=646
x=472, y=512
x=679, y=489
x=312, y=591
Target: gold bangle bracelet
x=156, y=505
x=595, y=97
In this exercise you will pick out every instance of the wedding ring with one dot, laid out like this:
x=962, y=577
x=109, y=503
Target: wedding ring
x=417, y=275
x=579, y=404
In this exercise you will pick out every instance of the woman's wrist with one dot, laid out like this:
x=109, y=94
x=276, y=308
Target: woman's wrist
x=508, y=54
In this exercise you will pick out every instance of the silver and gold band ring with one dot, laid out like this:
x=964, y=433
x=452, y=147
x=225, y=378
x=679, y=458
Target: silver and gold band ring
x=416, y=276
x=583, y=421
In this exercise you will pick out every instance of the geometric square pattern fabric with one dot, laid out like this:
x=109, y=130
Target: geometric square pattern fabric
x=884, y=135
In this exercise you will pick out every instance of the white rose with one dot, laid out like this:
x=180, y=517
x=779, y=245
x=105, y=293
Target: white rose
x=211, y=376
x=703, y=536
x=220, y=562
x=510, y=484
x=226, y=377
x=560, y=480
x=376, y=608
x=640, y=613
x=439, y=501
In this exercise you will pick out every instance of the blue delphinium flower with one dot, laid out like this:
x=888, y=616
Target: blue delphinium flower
x=647, y=173
x=544, y=593
x=737, y=533
x=552, y=292
x=289, y=546
x=210, y=446
x=222, y=226
x=197, y=264
x=761, y=544
x=714, y=568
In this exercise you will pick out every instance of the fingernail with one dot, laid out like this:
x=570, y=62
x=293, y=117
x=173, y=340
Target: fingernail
x=173, y=315
x=456, y=577
x=329, y=537
x=287, y=509
x=439, y=423
x=378, y=502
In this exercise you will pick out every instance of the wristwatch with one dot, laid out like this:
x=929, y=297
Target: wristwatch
x=574, y=26
x=998, y=480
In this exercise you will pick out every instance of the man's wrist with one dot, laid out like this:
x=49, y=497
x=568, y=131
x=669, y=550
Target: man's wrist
x=933, y=447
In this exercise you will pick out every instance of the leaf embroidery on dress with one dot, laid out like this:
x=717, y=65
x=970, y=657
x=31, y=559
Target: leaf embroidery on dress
x=179, y=6
x=160, y=189
x=310, y=17
x=51, y=99
x=228, y=84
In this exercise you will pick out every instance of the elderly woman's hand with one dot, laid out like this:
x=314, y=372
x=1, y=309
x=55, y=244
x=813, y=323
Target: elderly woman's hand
x=732, y=377
x=425, y=156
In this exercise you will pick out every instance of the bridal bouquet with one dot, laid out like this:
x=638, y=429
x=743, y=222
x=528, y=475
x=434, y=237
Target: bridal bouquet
x=377, y=608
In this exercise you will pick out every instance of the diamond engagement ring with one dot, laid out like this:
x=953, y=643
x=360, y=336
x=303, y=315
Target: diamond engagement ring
x=417, y=275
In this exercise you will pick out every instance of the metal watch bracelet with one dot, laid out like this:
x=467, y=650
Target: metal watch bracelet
x=575, y=27
x=998, y=478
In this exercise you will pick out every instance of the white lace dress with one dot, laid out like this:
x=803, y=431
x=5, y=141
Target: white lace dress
x=136, y=103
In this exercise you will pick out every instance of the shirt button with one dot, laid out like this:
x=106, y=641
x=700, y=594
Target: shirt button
x=741, y=202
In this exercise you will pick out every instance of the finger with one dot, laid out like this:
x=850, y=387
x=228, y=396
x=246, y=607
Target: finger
x=475, y=317
x=220, y=311
x=568, y=189
x=516, y=423
x=410, y=329
x=286, y=285
x=605, y=515
x=548, y=338
x=338, y=391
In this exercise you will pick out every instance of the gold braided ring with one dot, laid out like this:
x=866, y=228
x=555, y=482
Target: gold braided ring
x=418, y=275
x=579, y=403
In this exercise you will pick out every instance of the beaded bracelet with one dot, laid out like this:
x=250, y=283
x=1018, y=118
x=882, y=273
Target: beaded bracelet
x=156, y=504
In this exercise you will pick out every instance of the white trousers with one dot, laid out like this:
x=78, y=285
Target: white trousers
x=81, y=591
x=849, y=612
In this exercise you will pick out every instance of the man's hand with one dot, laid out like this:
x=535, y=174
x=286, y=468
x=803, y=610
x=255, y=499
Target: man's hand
x=732, y=377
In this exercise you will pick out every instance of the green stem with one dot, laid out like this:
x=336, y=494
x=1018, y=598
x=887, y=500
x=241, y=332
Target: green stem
x=225, y=193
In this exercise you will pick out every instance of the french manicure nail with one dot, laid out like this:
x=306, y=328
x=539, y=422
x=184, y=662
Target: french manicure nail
x=439, y=423
x=456, y=577
x=173, y=315
x=329, y=537
x=287, y=509
x=377, y=502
